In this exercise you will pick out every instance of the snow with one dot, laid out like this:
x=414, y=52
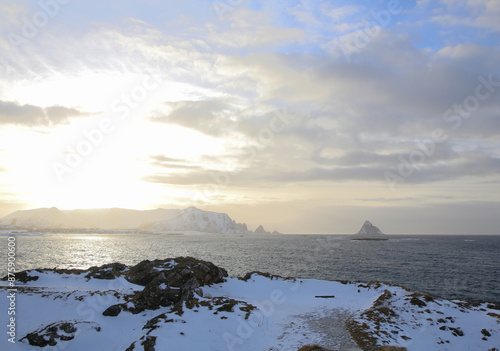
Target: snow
x=289, y=315
x=194, y=219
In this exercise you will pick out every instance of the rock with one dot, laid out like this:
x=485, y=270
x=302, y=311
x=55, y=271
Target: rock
x=369, y=229
x=369, y=232
x=142, y=273
x=39, y=340
x=204, y=272
x=108, y=271
x=171, y=281
x=48, y=335
x=417, y=302
x=260, y=230
x=242, y=227
x=177, y=271
x=68, y=328
x=314, y=347
x=112, y=311
x=249, y=275
x=386, y=348
x=156, y=294
x=189, y=289
x=485, y=332
x=22, y=277
x=150, y=343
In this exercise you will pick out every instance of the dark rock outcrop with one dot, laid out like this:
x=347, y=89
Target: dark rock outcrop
x=22, y=277
x=167, y=282
x=142, y=273
x=49, y=335
x=177, y=271
x=156, y=294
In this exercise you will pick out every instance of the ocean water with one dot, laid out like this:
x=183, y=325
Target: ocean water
x=448, y=266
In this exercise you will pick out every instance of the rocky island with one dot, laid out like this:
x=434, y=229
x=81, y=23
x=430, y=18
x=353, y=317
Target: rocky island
x=369, y=232
x=188, y=304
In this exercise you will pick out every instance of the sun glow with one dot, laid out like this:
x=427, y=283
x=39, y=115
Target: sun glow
x=68, y=169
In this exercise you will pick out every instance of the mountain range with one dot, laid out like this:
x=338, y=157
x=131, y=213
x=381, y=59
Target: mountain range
x=190, y=219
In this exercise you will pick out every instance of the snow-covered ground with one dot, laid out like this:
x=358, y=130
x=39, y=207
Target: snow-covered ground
x=288, y=314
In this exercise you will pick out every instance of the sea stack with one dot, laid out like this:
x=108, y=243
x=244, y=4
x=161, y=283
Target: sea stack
x=369, y=232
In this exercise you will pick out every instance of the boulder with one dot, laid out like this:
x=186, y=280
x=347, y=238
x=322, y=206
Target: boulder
x=112, y=311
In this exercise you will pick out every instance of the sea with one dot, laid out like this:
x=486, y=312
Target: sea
x=451, y=266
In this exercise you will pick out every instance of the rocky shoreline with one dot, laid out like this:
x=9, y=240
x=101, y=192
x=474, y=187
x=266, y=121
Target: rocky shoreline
x=167, y=302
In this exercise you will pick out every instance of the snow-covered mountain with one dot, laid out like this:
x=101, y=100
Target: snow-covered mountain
x=38, y=218
x=369, y=232
x=190, y=219
x=194, y=219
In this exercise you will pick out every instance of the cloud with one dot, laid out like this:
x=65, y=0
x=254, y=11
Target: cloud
x=30, y=115
x=483, y=14
x=430, y=170
x=174, y=163
x=354, y=120
x=251, y=29
x=275, y=166
x=369, y=111
x=211, y=117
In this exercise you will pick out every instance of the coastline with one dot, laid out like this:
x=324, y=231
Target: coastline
x=255, y=312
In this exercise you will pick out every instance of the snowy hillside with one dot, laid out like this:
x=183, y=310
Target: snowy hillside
x=190, y=219
x=38, y=218
x=189, y=304
x=194, y=219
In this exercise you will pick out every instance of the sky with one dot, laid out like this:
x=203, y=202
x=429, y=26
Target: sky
x=304, y=116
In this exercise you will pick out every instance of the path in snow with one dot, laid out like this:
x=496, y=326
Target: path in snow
x=331, y=327
x=326, y=328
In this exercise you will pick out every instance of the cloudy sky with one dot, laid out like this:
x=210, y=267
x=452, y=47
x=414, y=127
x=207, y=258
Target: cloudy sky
x=305, y=116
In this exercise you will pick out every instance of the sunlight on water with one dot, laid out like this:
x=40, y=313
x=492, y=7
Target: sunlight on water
x=446, y=266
